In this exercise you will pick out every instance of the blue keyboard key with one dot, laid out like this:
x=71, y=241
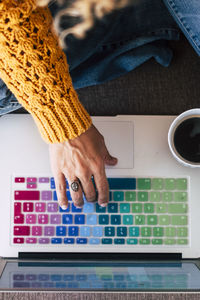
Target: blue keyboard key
x=73, y=231
x=56, y=241
x=61, y=230
x=75, y=209
x=81, y=241
x=69, y=241
x=91, y=220
x=88, y=207
x=109, y=231
x=106, y=241
x=52, y=183
x=55, y=196
x=119, y=241
x=61, y=285
x=67, y=184
x=97, y=231
x=115, y=219
x=94, y=241
x=79, y=219
x=104, y=219
x=68, y=277
x=73, y=285
x=67, y=219
x=56, y=277
x=65, y=210
x=121, y=231
x=113, y=207
x=100, y=209
x=84, y=231
x=81, y=277
x=122, y=183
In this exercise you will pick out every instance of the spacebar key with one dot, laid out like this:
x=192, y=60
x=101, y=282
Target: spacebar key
x=122, y=183
x=27, y=195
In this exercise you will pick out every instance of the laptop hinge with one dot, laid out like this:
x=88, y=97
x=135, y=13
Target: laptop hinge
x=99, y=256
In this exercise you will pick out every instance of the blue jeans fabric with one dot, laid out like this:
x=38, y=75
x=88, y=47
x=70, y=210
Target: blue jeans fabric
x=122, y=41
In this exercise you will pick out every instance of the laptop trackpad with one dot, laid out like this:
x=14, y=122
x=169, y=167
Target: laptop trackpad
x=119, y=141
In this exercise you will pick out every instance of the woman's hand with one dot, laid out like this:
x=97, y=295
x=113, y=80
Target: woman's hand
x=78, y=160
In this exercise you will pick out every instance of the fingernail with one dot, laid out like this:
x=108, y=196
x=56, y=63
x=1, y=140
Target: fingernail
x=104, y=204
x=64, y=207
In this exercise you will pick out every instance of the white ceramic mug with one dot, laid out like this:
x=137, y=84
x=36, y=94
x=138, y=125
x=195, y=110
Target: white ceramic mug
x=192, y=113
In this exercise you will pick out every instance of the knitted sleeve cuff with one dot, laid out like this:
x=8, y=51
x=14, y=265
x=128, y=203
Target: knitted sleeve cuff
x=35, y=69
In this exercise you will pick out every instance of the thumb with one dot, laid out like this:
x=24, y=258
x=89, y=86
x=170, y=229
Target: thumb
x=110, y=160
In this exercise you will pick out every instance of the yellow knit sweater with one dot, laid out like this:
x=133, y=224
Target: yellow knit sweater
x=35, y=69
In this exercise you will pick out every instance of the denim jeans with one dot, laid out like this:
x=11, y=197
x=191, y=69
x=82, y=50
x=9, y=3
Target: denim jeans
x=122, y=41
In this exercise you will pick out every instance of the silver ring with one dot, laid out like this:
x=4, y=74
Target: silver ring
x=75, y=186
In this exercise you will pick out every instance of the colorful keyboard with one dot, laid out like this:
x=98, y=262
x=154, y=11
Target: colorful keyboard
x=141, y=211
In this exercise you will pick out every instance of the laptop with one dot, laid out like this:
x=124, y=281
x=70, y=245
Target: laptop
x=148, y=231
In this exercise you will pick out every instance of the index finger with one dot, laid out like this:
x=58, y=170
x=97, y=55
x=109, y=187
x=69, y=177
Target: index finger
x=61, y=190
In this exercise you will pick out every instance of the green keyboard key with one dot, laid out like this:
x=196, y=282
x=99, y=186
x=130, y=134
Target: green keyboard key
x=137, y=208
x=144, y=183
x=139, y=220
x=118, y=196
x=119, y=241
x=179, y=220
x=132, y=241
x=170, y=184
x=161, y=208
x=149, y=208
x=158, y=231
x=142, y=196
x=182, y=241
x=180, y=197
x=155, y=196
x=157, y=241
x=124, y=208
x=127, y=219
x=170, y=231
x=164, y=220
x=130, y=196
x=178, y=208
x=181, y=184
x=152, y=220
x=169, y=241
x=182, y=232
x=144, y=241
x=157, y=184
x=145, y=231
x=167, y=196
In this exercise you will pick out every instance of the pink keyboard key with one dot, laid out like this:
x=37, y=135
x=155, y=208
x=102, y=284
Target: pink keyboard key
x=40, y=207
x=27, y=195
x=49, y=230
x=21, y=230
x=52, y=207
x=55, y=219
x=17, y=209
x=27, y=207
x=18, y=240
x=31, y=240
x=43, y=241
x=46, y=195
x=19, y=219
x=31, y=219
x=43, y=179
x=37, y=230
x=43, y=219
x=31, y=186
x=31, y=179
x=19, y=179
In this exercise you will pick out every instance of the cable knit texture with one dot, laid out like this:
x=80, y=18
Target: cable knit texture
x=35, y=69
